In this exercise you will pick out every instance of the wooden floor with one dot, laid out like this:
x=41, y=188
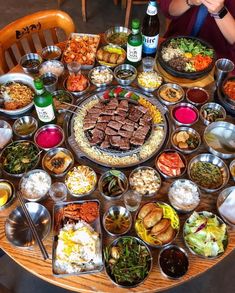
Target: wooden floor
x=101, y=14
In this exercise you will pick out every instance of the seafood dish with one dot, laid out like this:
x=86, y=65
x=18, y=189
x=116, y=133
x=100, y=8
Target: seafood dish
x=157, y=224
x=73, y=222
x=82, y=49
x=118, y=127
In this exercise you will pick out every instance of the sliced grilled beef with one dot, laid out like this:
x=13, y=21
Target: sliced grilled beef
x=141, y=132
x=105, y=144
x=124, y=144
x=147, y=117
x=135, y=114
x=123, y=105
x=128, y=127
x=137, y=141
x=104, y=118
x=129, y=122
x=94, y=111
x=110, y=131
x=115, y=125
x=118, y=118
x=115, y=141
x=97, y=133
x=93, y=116
x=102, y=126
x=87, y=126
x=144, y=122
x=121, y=113
x=99, y=105
x=108, y=111
x=124, y=133
x=113, y=104
x=142, y=109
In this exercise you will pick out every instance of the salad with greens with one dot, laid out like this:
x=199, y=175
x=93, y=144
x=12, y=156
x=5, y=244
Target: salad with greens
x=187, y=54
x=205, y=234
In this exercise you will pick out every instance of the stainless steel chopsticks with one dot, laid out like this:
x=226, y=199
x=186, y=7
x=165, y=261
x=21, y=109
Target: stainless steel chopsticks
x=32, y=226
x=72, y=105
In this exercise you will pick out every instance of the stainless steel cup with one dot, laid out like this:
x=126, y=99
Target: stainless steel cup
x=50, y=81
x=223, y=67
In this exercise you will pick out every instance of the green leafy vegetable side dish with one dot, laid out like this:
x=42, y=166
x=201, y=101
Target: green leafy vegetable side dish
x=128, y=262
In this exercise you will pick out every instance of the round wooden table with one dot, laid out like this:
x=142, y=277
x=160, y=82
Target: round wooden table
x=31, y=259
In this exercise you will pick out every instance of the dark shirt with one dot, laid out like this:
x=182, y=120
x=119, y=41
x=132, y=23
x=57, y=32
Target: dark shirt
x=210, y=32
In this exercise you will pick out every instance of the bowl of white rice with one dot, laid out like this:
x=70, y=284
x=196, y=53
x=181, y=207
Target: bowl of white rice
x=35, y=184
x=184, y=195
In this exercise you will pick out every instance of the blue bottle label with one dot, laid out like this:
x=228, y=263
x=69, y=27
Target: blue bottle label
x=150, y=44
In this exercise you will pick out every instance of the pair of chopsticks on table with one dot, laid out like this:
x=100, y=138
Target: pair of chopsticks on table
x=32, y=226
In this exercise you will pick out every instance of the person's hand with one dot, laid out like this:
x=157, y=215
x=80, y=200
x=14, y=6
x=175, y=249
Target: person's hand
x=213, y=6
x=195, y=2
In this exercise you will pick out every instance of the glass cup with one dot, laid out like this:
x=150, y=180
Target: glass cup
x=223, y=67
x=148, y=63
x=50, y=81
x=74, y=67
x=132, y=200
x=58, y=191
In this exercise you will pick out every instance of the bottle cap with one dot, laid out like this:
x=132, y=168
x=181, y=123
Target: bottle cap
x=38, y=83
x=135, y=24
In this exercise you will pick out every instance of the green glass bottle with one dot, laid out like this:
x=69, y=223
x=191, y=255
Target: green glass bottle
x=134, y=44
x=43, y=102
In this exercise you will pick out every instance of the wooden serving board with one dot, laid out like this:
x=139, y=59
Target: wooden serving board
x=200, y=82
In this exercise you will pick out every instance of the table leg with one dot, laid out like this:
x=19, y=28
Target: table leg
x=128, y=12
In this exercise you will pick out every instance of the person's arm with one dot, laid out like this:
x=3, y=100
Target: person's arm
x=226, y=24
x=178, y=7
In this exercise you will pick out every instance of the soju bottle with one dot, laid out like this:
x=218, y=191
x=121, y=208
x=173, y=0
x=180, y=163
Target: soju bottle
x=150, y=30
x=134, y=44
x=43, y=102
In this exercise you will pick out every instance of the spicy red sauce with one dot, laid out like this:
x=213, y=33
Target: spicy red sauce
x=197, y=96
x=49, y=137
x=185, y=115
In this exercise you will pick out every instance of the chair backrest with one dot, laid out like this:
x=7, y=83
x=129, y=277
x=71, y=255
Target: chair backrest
x=29, y=32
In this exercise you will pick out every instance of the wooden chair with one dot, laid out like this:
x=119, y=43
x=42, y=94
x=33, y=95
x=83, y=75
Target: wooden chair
x=32, y=31
x=129, y=4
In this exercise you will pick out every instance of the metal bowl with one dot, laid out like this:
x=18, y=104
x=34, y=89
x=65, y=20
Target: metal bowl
x=179, y=208
x=31, y=194
x=76, y=94
x=101, y=70
x=11, y=195
x=116, y=30
x=17, y=229
x=50, y=154
x=170, y=87
x=27, y=66
x=50, y=86
x=182, y=158
x=191, y=131
x=107, y=174
x=221, y=199
x=145, y=182
x=5, y=133
x=221, y=87
x=232, y=169
x=24, y=79
x=150, y=89
x=51, y=53
x=208, y=215
x=45, y=128
x=111, y=49
x=199, y=89
x=215, y=161
x=29, y=123
x=2, y=157
x=128, y=80
x=219, y=138
x=115, y=212
x=75, y=174
x=53, y=66
x=56, y=100
x=142, y=244
x=213, y=106
x=158, y=245
x=185, y=105
x=180, y=261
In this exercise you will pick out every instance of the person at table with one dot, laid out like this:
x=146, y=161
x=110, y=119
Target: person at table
x=210, y=20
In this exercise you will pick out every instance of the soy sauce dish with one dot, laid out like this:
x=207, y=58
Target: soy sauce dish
x=173, y=262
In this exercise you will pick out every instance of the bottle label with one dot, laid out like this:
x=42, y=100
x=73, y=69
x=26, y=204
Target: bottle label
x=134, y=53
x=150, y=44
x=151, y=10
x=45, y=114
